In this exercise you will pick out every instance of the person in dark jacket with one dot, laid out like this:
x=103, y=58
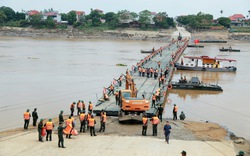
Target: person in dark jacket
x=61, y=117
x=60, y=135
x=167, y=129
x=40, y=128
x=35, y=117
x=160, y=111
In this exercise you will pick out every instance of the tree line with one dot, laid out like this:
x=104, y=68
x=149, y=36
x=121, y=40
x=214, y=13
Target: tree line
x=202, y=20
x=123, y=18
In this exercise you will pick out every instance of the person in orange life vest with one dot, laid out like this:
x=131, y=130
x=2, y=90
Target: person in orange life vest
x=40, y=128
x=175, y=109
x=156, y=73
x=144, y=125
x=72, y=108
x=106, y=97
x=68, y=122
x=159, y=64
x=49, y=126
x=153, y=100
x=82, y=119
x=83, y=106
x=151, y=70
x=155, y=121
x=103, y=121
x=143, y=72
x=26, y=117
x=92, y=123
x=111, y=89
x=88, y=117
x=139, y=70
x=120, y=80
x=90, y=107
x=79, y=107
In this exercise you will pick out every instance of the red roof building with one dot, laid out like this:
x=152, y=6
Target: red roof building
x=237, y=17
x=33, y=12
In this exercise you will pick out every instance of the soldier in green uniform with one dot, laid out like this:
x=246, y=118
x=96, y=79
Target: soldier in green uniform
x=40, y=128
x=60, y=135
x=61, y=117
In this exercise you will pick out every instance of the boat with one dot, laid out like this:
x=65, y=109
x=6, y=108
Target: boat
x=146, y=51
x=205, y=63
x=195, y=84
x=229, y=50
x=196, y=46
x=212, y=41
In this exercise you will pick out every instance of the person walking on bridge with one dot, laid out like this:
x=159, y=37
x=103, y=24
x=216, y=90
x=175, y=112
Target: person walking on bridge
x=26, y=117
x=144, y=125
x=160, y=111
x=153, y=101
x=35, y=117
x=175, y=109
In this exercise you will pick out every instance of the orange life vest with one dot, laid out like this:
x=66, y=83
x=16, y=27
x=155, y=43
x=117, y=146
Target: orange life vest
x=83, y=105
x=88, y=116
x=82, y=116
x=144, y=120
x=154, y=97
x=79, y=104
x=90, y=106
x=72, y=105
x=175, y=108
x=111, y=87
x=26, y=116
x=104, y=90
x=91, y=122
x=49, y=125
x=104, y=118
x=155, y=120
x=68, y=121
x=140, y=69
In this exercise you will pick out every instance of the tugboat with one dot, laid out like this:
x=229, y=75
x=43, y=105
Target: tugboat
x=194, y=84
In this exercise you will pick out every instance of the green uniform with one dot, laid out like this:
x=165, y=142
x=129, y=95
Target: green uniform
x=60, y=136
x=39, y=128
x=61, y=118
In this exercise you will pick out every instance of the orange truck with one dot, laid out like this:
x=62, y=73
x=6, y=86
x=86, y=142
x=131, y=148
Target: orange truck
x=131, y=107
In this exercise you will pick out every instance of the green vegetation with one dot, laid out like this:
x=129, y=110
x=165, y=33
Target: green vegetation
x=204, y=21
x=145, y=20
x=240, y=29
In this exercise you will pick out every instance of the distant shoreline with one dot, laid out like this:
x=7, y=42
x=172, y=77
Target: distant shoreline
x=119, y=34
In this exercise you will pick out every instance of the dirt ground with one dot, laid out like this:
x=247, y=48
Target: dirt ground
x=181, y=130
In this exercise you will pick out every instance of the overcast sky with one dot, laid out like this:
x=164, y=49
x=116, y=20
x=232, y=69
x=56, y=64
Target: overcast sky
x=172, y=7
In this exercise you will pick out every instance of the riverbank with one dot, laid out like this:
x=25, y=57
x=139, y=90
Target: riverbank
x=126, y=139
x=119, y=34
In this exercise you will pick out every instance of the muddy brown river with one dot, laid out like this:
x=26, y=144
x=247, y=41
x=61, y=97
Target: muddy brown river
x=49, y=74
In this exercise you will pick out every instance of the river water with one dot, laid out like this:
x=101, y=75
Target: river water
x=49, y=74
